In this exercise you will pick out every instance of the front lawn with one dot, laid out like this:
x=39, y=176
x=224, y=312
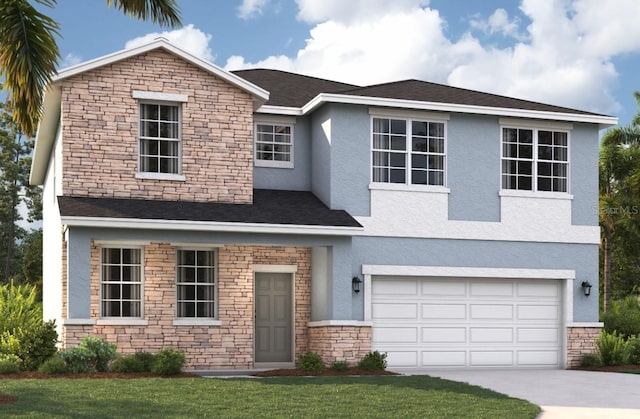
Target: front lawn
x=372, y=396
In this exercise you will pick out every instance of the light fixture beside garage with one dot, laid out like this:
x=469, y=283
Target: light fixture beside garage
x=586, y=288
x=355, y=283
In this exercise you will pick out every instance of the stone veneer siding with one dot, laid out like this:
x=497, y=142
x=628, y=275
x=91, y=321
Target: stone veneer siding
x=580, y=342
x=207, y=347
x=340, y=343
x=100, y=132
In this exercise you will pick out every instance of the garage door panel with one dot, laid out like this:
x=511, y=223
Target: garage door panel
x=384, y=335
x=395, y=287
x=402, y=359
x=538, y=290
x=395, y=311
x=491, y=311
x=444, y=311
x=444, y=334
x=539, y=335
x=491, y=289
x=443, y=288
x=538, y=312
x=491, y=335
x=444, y=358
x=537, y=358
x=491, y=358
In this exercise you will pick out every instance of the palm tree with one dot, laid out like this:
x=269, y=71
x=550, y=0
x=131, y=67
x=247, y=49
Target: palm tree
x=29, y=53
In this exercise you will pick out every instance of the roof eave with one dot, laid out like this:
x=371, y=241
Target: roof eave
x=46, y=134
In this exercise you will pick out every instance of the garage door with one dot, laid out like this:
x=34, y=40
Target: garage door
x=449, y=322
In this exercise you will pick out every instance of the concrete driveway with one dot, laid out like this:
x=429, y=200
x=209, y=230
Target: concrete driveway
x=561, y=393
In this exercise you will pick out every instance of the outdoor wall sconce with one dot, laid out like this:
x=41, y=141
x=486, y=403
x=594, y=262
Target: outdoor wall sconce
x=586, y=287
x=355, y=283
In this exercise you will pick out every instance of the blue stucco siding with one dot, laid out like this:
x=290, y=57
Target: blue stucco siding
x=582, y=258
x=321, y=154
x=583, y=148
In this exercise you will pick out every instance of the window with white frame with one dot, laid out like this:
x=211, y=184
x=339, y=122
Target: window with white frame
x=159, y=138
x=273, y=145
x=535, y=159
x=408, y=151
x=121, y=282
x=196, y=284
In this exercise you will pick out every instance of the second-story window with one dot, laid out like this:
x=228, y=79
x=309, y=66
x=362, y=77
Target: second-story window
x=273, y=145
x=159, y=138
x=408, y=151
x=535, y=159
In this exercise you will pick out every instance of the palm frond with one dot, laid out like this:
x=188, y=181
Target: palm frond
x=163, y=12
x=636, y=117
x=28, y=58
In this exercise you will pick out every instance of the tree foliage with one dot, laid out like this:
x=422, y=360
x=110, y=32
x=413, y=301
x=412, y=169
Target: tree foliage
x=29, y=53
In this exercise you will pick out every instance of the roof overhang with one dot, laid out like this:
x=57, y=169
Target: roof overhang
x=602, y=120
x=212, y=226
x=46, y=134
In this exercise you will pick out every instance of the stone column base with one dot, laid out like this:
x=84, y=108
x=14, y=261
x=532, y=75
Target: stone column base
x=340, y=342
x=581, y=341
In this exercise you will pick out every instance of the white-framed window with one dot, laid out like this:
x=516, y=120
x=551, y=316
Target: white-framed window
x=408, y=151
x=160, y=138
x=196, y=283
x=535, y=159
x=273, y=144
x=121, y=282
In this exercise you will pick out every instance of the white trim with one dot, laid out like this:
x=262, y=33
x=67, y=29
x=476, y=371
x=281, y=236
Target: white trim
x=568, y=301
x=188, y=321
x=122, y=322
x=274, y=119
x=161, y=176
x=281, y=269
x=404, y=114
x=142, y=282
x=153, y=224
x=164, y=97
x=46, y=134
x=273, y=163
x=383, y=186
x=279, y=110
x=78, y=322
x=325, y=323
x=529, y=123
x=121, y=243
x=196, y=246
x=320, y=99
x=468, y=272
x=535, y=194
x=585, y=324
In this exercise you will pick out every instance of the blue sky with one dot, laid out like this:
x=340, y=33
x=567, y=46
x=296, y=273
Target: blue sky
x=583, y=54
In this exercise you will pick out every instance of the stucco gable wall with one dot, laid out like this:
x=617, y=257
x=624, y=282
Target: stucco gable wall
x=100, y=126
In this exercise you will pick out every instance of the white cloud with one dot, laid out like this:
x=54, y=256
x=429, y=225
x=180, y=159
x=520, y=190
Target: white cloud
x=564, y=56
x=70, y=60
x=251, y=8
x=189, y=38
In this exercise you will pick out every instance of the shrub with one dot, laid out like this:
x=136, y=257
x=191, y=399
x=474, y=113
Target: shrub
x=374, y=361
x=54, y=365
x=8, y=367
x=78, y=359
x=633, y=350
x=340, y=366
x=590, y=360
x=147, y=359
x=128, y=364
x=9, y=343
x=311, y=362
x=168, y=362
x=103, y=353
x=623, y=317
x=37, y=345
x=19, y=308
x=612, y=348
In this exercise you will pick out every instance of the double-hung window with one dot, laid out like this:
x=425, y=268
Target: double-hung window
x=121, y=282
x=273, y=145
x=408, y=151
x=159, y=138
x=535, y=159
x=196, y=284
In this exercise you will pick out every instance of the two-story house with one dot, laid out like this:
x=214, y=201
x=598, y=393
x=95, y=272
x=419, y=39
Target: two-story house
x=248, y=217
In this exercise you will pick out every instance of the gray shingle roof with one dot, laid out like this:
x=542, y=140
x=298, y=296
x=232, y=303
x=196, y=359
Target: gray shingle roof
x=269, y=207
x=295, y=90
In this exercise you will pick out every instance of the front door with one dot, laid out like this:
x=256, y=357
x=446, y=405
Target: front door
x=273, y=317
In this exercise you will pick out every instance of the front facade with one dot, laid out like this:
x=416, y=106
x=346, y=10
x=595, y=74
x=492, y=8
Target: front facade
x=234, y=216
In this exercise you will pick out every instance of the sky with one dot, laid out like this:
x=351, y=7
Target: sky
x=583, y=54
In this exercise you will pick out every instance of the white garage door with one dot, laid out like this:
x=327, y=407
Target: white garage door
x=450, y=322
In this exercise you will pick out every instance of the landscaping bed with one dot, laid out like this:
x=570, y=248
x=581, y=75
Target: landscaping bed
x=329, y=372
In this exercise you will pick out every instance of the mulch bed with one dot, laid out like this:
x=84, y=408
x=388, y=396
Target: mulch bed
x=7, y=399
x=329, y=372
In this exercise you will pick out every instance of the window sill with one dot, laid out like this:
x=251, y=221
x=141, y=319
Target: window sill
x=160, y=176
x=408, y=188
x=272, y=164
x=538, y=194
x=122, y=322
x=196, y=322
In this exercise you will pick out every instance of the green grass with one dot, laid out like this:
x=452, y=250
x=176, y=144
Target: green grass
x=322, y=397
